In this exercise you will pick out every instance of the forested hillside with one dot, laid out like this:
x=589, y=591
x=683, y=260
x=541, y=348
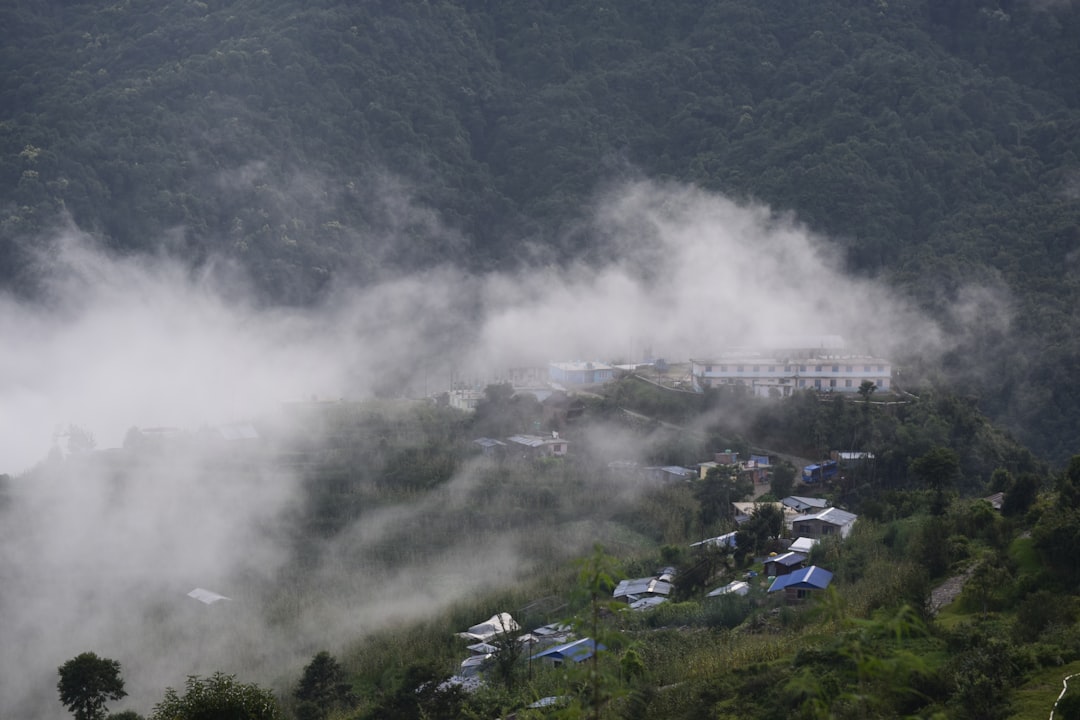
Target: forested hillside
x=936, y=143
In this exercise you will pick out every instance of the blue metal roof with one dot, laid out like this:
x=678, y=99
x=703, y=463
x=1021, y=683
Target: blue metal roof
x=811, y=578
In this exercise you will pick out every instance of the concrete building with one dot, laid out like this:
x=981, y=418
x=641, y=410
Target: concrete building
x=773, y=375
x=580, y=373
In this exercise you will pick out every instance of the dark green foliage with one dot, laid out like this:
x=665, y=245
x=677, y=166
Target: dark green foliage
x=87, y=682
x=125, y=715
x=1043, y=610
x=782, y=480
x=1068, y=707
x=218, y=697
x=323, y=687
x=417, y=693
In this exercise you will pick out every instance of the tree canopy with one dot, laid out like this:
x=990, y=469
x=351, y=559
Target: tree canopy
x=87, y=682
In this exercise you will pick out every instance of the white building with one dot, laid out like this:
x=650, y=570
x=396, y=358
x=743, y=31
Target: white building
x=783, y=376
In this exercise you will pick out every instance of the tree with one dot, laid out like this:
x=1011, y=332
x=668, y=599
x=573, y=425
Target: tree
x=939, y=470
x=87, y=682
x=783, y=479
x=322, y=686
x=218, y=697
x=866, y=390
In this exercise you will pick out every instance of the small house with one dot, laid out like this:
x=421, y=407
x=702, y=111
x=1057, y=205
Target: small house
x=829, y=522
x=784, y=564
x=801, y=584
x=630, y=591
x=575, y=651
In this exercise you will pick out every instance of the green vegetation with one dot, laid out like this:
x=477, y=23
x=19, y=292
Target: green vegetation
x=880, y=642
x=87, y=682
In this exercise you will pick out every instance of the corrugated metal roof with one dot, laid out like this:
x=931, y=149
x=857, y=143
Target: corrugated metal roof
x=642, y=586
x=811, y=578
x=736, y=587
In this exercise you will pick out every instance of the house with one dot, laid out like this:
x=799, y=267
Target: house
x=802, y=504
x=490, y=447
x=824, y=523
x=464, y=399
x=496, y=624
x=997, y=500
x=799, y=585
x=575, y=651
x=784, y=564
x=669, y=473
x=736, y=587
x=535, y=446
x=632, y=590
x=580, y=372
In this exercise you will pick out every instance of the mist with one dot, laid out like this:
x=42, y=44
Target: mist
x=101, y=560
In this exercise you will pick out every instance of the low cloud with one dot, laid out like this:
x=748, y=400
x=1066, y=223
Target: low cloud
x=98, y=559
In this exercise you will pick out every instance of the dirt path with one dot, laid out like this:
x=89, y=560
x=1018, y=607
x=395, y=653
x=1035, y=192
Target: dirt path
x=948, y=591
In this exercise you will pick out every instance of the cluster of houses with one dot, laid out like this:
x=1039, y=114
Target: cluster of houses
x=756, y=468
x=807, y=520
x=552, y=644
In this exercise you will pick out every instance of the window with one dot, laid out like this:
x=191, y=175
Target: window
x=708, y=368
x=847, y=383
x=817, y=384
x=881, y=368
x=787, y=368
x=866, y=368
x=832, y=382
x=802, y=368
x=772, y=368
x=723, y=368
x=847, y=368
x=738, y=368
x=802, y=593
x=757, y=368
x=817, y=368
x=836, y=368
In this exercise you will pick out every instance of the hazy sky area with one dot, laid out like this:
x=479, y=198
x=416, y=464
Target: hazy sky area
x=90, y=562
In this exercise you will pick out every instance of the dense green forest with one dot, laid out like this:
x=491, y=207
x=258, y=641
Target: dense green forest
x=936, y=144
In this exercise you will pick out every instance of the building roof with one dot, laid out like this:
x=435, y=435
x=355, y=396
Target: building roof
x=647, y=603
x=801, y=502
x=486, y=442
x=579, y=365
x=736, y=587
x=642, y=586
x=208, y=597
x=532, y=441
x=482, y=632
x=787, y=559
x=720, y=540
x=803, y=544
x=575, y=651
x=811, y=578
x=833, y=516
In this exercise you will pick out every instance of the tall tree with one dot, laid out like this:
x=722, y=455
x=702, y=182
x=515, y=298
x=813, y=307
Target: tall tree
x=87, y=682
x=322, y=687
